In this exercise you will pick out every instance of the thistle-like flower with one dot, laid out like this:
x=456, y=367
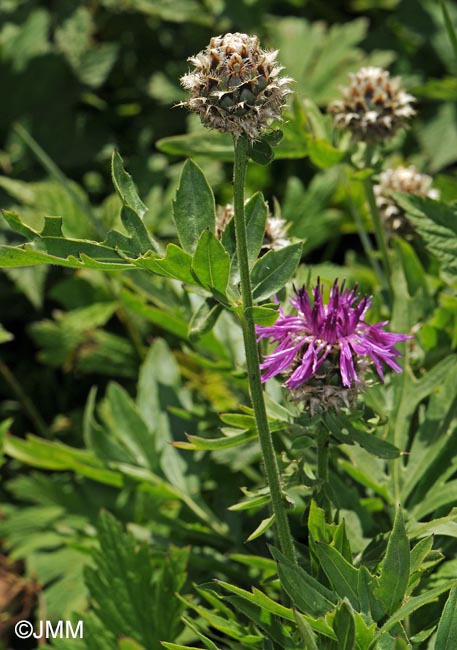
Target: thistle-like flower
x=401, y=179
x=374, y=106
x=235, y=86
x=325, y=351
x=275, y=228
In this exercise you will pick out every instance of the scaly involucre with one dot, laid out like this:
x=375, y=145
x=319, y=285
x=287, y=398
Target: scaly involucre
x=236, y=86
x=325, y=350
x=374, y=106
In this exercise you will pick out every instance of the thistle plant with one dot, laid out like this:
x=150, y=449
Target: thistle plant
x=224, y=214
x=275, y=233
x=236, y=87
x=338, y=447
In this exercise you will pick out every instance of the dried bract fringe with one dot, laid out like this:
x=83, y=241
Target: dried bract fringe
x=275, y=228
x=275, y=233
x=236, y=86
x=374, y=106
x=401, y=179
x=224, y=214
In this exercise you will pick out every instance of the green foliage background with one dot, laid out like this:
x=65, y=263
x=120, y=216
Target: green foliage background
x=105, y=369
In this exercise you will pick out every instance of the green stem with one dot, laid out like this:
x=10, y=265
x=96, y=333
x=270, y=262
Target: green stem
x=27, y=404
x=364, y=238
x=377, y=223
x=322, y=456
x=54, y=171
x=322, y=466
x=378, y=230
x=252, y=355
x=449, y=26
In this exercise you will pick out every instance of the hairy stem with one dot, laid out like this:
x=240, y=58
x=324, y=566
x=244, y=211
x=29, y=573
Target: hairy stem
x=252, y=356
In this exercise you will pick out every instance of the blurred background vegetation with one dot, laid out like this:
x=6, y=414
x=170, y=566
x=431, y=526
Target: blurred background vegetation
x=82, y=78
x=79, y=79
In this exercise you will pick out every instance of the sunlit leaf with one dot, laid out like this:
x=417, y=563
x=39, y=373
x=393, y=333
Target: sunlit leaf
x=194, y=208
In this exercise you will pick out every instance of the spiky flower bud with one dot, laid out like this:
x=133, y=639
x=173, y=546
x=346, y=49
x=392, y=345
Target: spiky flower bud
x=275, y=228
x=401, y=179
x=374, y=106
x=235, y=86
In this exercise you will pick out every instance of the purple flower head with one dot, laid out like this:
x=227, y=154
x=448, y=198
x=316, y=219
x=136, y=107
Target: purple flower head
x=322, y=335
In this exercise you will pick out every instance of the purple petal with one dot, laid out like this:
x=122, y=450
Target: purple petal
x=347, y=369
x=305, y=370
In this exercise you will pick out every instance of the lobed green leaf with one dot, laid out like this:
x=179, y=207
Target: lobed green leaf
x=344, y=626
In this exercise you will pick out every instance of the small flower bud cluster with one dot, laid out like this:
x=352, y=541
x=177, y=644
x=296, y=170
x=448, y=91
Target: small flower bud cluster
x=275, y=228
x=401, y=179
x=373, y=107
x=235, y=86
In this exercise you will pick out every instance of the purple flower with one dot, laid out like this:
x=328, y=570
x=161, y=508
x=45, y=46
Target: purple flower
x=336, y=332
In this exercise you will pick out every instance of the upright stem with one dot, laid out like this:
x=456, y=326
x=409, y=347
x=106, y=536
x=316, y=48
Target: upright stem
x=55, y=172
x=378, y=229
x=29, y=407
x=377, y=223
x=449, y=26
x=322, y=466
x=364, y=238
x=322, y=455
x=252, y=356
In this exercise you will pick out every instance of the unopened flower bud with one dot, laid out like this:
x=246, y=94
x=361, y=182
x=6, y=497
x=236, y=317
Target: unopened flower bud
x=374, y=106
x=275, y=228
